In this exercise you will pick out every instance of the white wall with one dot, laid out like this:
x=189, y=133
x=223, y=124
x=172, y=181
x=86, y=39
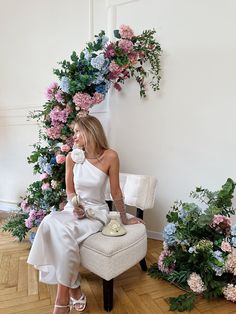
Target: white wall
x=184, y=135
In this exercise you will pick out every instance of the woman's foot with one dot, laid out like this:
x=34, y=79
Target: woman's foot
x=61, y=309
x=78, y=299
x=80, y=303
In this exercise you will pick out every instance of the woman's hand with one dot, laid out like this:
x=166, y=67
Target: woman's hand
x=79, y=211
x=134, y=220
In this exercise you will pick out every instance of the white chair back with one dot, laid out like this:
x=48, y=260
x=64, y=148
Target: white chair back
x=138, y=190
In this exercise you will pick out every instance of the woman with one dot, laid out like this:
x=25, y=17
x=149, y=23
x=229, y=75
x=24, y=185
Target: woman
x=55, y=251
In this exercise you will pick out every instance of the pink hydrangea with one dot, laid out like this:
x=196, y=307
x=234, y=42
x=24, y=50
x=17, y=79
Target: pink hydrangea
x=65, y=148
x=230, y=292
x=126, y=45
x=45, y=186
x=54, y=132
x=162, y=267
x=230, y=264
x=60, y=159
x=51, y=90
x=97, y=98
x=195, y=283
x=58, y=115
x=24, y=205
x=110, y=51
x=221, y=223
x=83, y=113
x=133, y=57
x=126, y=32
x=115, y=68
x=83, y=100
x=28, y=223
x=59, y=96
x=43, y=176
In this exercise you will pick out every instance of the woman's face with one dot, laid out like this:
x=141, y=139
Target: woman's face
x=79, y=138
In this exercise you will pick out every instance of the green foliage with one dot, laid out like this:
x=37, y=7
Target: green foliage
x=183, y=302
x=193, y=246
x=15, y=224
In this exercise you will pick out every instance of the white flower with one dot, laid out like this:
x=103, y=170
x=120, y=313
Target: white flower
x=77, y=155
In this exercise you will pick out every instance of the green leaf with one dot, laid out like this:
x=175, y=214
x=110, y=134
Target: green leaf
x=183, y=302
x=117, y=33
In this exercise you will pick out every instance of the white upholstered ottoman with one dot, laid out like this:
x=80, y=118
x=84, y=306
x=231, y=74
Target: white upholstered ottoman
x=109, y=257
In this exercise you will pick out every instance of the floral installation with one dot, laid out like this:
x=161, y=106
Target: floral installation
x=83, y=82
x=199, y=248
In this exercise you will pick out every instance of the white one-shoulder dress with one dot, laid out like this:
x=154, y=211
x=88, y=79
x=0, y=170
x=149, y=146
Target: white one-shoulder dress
x=55, y=250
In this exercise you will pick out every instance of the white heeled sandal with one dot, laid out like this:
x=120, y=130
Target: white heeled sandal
x=68, y=306
x=81, y=302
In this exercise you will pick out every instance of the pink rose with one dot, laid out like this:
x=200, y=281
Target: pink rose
x=45, y=186
x=225, y=246
x=60, y=159
x=65, y=148
x=43, y=176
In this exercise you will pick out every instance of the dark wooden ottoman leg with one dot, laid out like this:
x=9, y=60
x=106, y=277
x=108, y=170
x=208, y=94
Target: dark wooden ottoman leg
x=143, y=264
x=108, y=294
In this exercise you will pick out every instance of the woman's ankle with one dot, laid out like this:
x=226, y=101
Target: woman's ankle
x=76, y=293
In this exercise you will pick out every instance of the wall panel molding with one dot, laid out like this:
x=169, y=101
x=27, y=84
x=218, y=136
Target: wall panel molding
x=17, y=116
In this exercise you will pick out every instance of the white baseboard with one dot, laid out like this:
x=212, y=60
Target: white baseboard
x=8, y=206
x=154, y=235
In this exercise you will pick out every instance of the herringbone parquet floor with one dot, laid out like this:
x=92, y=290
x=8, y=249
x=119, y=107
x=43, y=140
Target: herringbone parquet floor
x=134, y=291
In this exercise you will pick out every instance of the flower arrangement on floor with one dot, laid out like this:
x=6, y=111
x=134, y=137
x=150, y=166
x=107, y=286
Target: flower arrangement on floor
x=83, y=82
x=199, y=248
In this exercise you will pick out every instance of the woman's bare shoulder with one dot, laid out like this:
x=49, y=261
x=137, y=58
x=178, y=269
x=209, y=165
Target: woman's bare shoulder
x=69, y=160
x=111, y=154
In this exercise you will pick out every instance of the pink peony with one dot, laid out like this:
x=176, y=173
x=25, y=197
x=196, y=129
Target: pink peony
x=225, y=246
x=65, y=148
x=133, y=57
x=43, y=176
x=45, y=186
x=60, y=159
x=126, y=45
x=126, y=32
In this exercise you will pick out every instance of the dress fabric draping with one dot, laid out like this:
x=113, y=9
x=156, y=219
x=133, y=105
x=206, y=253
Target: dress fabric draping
x=55, y=250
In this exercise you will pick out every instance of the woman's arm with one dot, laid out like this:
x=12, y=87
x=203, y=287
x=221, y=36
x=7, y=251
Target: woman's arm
x=70, y=190
x=116, y=192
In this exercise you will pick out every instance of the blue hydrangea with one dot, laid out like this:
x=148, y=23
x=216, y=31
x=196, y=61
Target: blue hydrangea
x=87, y=55
x=48, y=169
x=98, y=62
x=104, y=40
x=233, y=240
x=53, y=160
x=218, y=270
x=169, y=234
x=218, y=255
x=64, y=84
x=182, y=214
x=102, y=88
x=99, y=79
x=233, y=230
x=32, y=236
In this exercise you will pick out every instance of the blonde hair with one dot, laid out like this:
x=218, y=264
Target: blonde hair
x=93, y=132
